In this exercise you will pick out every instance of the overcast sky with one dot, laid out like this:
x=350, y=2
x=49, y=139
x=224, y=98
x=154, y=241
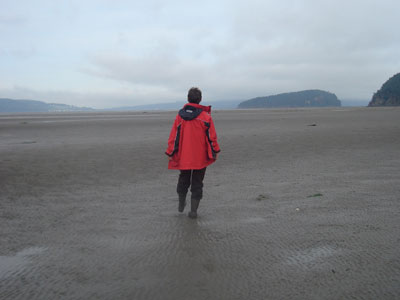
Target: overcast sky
x=108, y=53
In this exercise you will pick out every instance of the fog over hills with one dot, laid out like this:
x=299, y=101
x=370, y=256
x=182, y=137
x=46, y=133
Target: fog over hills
x=354, y=102
x=20, y=106
x=17, y=106
x=223, y=104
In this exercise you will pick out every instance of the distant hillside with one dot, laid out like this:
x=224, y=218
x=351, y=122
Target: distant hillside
x=308, y=98
x=389, y=93
x=17, y=106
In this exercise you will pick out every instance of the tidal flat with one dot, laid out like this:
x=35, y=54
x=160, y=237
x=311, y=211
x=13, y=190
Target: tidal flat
x=301, y=204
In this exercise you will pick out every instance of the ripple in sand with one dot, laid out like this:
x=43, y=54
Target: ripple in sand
x=15, y=264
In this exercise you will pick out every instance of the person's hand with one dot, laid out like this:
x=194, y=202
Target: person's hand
x=169, y=158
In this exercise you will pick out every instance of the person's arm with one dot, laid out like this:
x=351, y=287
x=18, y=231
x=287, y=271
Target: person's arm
x=213, y=138
x=171, y=139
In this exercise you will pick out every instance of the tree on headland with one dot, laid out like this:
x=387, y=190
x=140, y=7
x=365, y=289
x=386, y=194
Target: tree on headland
x=388, y=94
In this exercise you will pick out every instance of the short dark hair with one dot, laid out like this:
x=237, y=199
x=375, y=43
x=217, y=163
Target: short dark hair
x=194, y=95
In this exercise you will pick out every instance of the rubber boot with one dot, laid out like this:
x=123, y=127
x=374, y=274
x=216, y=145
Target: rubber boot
x=193, y=209
x=182, y=203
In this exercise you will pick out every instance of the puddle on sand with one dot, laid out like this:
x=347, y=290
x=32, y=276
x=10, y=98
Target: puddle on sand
x=311, y=255
x=17, y=263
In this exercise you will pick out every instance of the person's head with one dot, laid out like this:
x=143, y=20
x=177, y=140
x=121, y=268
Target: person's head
x=194, y=95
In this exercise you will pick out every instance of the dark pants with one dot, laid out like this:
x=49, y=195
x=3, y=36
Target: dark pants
x=193, y=178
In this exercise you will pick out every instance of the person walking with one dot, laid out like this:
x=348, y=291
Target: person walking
x=192, y=146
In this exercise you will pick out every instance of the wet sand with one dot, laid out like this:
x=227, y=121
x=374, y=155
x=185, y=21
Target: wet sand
x=88, y=209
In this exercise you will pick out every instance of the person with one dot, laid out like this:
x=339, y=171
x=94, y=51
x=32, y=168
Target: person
x=192, y=146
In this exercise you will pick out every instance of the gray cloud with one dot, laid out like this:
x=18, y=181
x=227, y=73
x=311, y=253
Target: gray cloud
x=12, y=20
x=152, y=52
x=348, y=48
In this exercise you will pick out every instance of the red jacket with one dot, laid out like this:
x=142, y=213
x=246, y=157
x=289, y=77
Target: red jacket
x=192, y=143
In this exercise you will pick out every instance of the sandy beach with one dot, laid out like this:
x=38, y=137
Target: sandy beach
x=301, y=204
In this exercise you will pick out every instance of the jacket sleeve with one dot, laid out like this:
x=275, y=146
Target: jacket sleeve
x=172, y=138
x=213, y=137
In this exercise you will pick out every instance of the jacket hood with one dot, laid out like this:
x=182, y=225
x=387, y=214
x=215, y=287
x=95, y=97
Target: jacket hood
x=192, y=110
x=204, y=108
